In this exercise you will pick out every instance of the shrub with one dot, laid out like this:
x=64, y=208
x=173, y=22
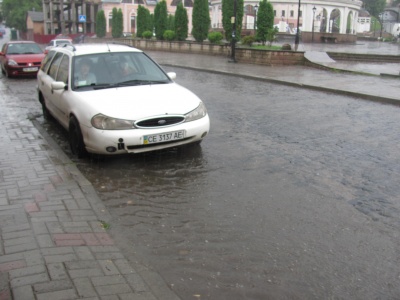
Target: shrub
x=169, y=35
x=215, y=37
x=248, y=40
x=147, y=34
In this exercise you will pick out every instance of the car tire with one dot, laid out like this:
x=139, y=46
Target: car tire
x=76, y=139
x=46, y=113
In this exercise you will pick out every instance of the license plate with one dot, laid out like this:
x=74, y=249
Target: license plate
x=30, y=69
x=163, y=137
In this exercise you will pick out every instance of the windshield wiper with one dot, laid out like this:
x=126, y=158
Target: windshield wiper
x=128, y=83
x=141, y=82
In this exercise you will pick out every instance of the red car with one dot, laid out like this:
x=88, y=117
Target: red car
x=21, y=58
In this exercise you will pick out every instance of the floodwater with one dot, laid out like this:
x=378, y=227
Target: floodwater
x=293, y=195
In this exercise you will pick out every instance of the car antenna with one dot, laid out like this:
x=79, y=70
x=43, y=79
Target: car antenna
x=108, y=47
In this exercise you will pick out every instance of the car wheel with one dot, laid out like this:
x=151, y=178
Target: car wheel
x=75, y=139
x=46, y=113
x=7, y=74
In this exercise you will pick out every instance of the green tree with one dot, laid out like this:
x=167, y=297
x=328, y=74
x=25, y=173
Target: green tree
x=265, y=21
x=228, y=13
x=160, y=19
x=171, y=22
x=201, y=20
x=14, y=12
x=144, y=21
x=117, y=23
x=181, y=23
x=374, y=7
x=101, y=24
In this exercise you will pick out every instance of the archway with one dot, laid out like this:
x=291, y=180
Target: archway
x=350, y=24
x=334, y=21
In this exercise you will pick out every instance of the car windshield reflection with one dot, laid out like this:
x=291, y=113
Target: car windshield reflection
x=23, y=48
x=110, y=70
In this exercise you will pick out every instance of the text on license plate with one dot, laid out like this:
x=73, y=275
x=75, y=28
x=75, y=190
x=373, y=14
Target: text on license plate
x=163, y=137
x=30, y=69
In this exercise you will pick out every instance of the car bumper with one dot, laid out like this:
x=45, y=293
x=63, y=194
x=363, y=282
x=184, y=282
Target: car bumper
x=111, y=142
x=22, y=71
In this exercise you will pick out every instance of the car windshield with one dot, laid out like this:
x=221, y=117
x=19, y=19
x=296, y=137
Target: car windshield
x=59, y=43
x=23, y=48
x=115, y=69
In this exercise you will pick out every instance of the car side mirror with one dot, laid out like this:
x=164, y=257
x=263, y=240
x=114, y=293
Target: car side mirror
x=58, y=85
x=171, y=75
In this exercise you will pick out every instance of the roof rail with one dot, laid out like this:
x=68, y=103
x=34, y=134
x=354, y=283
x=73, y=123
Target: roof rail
x=69, y=45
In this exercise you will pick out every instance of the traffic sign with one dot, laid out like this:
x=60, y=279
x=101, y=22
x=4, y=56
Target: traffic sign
x=82, y=18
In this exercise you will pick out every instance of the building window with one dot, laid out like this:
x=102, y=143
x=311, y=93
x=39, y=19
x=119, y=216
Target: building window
x=274, y=13
x=283, y=13
x=291, y=13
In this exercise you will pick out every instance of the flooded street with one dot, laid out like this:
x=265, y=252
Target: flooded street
x=294, y=194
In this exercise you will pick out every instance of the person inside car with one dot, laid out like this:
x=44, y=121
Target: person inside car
x=84, y=75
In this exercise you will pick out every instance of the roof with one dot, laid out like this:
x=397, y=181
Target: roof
x=364, y=14
x=36, y=16
x=88, y=48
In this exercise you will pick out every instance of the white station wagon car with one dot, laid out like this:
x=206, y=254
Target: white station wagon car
x=114, y=99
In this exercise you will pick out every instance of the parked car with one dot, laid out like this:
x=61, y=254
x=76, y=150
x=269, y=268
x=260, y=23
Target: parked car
x=57, y=43
x=3, y=31
x=114, y=99
x=21, y=58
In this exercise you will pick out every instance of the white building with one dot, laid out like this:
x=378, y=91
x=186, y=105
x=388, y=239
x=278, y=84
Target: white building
x=328, y=16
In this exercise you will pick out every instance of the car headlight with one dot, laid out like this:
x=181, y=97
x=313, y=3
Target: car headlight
x=107, y=123
x=198, y=113
x=12, y=62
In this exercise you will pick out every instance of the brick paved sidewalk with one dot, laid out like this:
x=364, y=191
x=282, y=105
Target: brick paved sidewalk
x=52, y=241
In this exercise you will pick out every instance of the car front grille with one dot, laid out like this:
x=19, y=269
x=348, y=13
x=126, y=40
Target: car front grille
x=35, y=64
x=160, y=122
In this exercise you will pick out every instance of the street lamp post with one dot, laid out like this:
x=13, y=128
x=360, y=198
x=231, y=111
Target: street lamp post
x=255, y=17
x=381, y=21
x=233, y=21
x=313, y=18
x=297, y=39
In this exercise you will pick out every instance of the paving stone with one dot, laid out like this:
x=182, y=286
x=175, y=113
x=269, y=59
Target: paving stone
x=58, y=295
x=83, y=253
x=108, y=267
x=136, y=282
x=54, y=285
x=20, y=248
x=22, y=272
x=19, y=241
x=23, y=293
x=44, y=240
x=60, y=258
x=113, y=289
x=92, y=272
x=39, y=228
x=33, y=258
x=137, y=296
x=81, y=264
x=108, y=280
x=84, y=287
x=12, y=265
x=20, y=228
x=57, y=271
x=123, y=266
x=28, y=280
x=57, y=251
